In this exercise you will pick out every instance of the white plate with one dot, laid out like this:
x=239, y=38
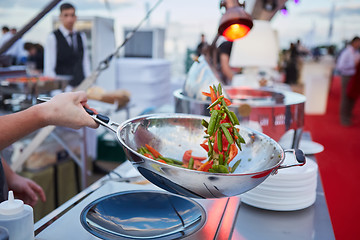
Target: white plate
x=310, y=147
x=294, y=183
x=307, y=146
x=284, y=192
x=279, y=206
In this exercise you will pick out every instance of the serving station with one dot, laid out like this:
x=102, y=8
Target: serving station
x=98, y=212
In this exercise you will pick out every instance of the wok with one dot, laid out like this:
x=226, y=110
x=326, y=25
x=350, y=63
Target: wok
x=173, y=134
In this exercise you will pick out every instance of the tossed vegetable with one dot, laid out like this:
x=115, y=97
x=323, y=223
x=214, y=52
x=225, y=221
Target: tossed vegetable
x=221, y=144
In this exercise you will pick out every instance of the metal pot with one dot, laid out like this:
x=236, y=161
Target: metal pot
x=268, y=111
x=173, y=134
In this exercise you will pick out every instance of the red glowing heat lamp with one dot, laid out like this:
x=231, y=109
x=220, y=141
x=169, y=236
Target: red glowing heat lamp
x=235, y=23
x=236, y=31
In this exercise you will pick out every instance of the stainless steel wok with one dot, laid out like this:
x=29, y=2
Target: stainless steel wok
x=173, y=134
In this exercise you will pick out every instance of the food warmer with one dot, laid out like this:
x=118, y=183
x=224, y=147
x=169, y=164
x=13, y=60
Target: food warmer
x=268, y=110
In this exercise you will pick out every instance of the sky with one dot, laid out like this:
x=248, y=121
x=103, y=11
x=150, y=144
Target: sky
x=185, y=20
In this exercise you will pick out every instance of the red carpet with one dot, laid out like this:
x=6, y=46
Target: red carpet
x=339, y=164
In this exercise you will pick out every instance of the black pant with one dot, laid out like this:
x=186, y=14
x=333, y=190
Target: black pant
x=346, y=103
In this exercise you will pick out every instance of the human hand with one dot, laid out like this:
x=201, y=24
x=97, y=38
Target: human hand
x=67, y=110
x=26, y=189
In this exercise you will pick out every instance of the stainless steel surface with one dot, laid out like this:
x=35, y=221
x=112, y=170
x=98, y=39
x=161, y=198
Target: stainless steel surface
x=245, y=222
x=173, y=134
x=143, y=215
x=270, y=112
x=68, y=225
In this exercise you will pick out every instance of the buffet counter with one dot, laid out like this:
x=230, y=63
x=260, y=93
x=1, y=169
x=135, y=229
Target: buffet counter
x=236, y=221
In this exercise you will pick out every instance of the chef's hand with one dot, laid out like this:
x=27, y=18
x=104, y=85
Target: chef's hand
x=67, y=110
x=25, y=189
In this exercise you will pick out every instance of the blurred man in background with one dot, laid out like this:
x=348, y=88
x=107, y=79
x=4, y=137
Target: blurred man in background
x=65, y=49
x=346, y=65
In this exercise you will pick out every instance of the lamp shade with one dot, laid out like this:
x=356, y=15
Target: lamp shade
x=258, y=49
x=235, y=23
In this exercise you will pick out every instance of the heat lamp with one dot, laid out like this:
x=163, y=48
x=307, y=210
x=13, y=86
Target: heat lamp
x=235, y=23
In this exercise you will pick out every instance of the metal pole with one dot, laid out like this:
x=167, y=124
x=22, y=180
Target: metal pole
x=19, y=34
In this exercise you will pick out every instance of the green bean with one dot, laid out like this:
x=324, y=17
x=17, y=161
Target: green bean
x=215, y=103
x=191, y=163
x=215, y=89
x=238, y=135
x=140, y=150
x=218, y=169
x=145, y=150
x=172, y=160
x=234, y=167
x=227, y=134
x=219, y=140
x=210, y=153
x=212, y=123
x=235, y=118
x=204, y=123
x=227, y=125
x=219, y=89
x=228, y=112
x=166, y=159
x=228, y=150
x=237, y=141
x=221, y=159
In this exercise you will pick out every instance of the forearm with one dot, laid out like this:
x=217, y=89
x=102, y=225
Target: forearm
x=18, y=125
x=228, y=72
x=7, y=170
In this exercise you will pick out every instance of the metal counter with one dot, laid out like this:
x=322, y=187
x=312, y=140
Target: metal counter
x=248, y=222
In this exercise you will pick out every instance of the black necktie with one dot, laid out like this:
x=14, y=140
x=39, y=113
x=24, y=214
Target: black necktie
x=72, y=41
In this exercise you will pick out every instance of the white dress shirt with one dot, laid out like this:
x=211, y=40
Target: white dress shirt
x=347, y=61
x=50, y=52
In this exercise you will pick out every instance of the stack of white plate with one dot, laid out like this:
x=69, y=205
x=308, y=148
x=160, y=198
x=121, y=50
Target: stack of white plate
x=290, y=189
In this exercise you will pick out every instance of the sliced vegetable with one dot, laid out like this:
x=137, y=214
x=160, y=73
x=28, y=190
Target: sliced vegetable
x=222, y=139
x=155, y=153
x=191, y=163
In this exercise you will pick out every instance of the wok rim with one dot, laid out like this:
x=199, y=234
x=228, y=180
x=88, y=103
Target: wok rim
x=194, y=116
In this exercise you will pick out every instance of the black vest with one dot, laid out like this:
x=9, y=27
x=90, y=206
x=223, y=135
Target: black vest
x=68, y=61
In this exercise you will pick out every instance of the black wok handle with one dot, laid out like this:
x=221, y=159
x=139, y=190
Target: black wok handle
x=101, y=117
x=103, y=120
x=299, y=155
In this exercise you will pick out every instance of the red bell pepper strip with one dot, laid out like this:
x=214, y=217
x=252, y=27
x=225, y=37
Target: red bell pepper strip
x=162, y=161
x=187, y=156
x=206, y=94
x=212, y=95
x=153, y=151
x=148, y=155
x=206, y=166
x=227, y=101
x=204, y=146
x=233, y=152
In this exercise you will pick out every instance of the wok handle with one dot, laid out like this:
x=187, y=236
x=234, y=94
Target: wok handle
x=99, y=118
x=299, y=155
x=103, y=120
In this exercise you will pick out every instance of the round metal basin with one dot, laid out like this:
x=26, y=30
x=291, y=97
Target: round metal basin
x=143, y=215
